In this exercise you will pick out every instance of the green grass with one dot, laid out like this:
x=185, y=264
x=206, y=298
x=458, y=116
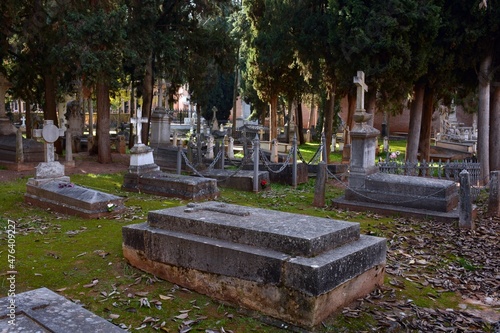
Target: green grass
x=66, y=254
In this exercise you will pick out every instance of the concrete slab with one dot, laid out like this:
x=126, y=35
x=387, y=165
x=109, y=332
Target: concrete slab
x=42, y=310
x=295, y=268
x=172, y=185
x=68, y=198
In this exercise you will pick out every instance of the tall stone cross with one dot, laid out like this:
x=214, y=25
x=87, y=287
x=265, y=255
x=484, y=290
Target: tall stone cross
x=138, y=125
x=359, y=80
x=50, y=133
x=23, y=120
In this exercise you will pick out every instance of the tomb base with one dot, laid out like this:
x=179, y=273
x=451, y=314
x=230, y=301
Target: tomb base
x=171, y=185
x=295, y=268
x=241, y=180
x=64, y=197
x=286, y=175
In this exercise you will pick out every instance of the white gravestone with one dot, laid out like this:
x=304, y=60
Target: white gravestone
x=141, y=156
x=50, y=169
x=137, y=122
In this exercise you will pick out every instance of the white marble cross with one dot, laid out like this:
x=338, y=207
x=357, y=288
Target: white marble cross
x=23, y=120
x=138, y=124
x=50, y=133
x=359, y=80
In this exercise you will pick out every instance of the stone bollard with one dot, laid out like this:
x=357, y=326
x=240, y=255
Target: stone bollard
x=494, y=198
x=320, y=186
x=465, y=214
x=274, y=151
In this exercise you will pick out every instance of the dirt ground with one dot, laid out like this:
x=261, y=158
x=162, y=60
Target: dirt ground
x=83, y=164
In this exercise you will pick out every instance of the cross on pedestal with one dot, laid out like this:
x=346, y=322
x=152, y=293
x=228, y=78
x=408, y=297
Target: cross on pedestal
x=50, y=133
x=359, y=80
x=23, y=121
x=138, y=121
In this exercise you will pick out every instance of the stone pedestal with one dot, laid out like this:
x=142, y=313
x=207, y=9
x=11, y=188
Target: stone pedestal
x=363, y=145
x=142, y=160
x=295, y=268
x=160, y=127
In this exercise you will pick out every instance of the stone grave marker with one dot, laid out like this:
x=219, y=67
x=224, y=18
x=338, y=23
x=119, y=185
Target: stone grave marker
x=387, y=193
x=144, y=175
x=50, y=188
x=160, y=127
x=42, y=310
x=297, y=269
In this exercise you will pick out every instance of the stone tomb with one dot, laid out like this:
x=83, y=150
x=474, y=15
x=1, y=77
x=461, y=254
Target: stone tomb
x=42, y=310
x=295, y=268
x=50, y=188
x=171, y=185
x=386, y=193
x=241, y=180
x=145, y=176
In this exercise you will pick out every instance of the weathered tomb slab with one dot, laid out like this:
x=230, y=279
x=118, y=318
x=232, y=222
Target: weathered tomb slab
x=241, y=180
x=42, y=310
x=285, y=176
x=295, y=268
x=32, y=149
x=406, y=191
x=171, y=185
x=68, y=198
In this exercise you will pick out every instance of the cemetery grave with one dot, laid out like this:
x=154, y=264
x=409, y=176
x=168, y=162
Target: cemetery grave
x=51, y=188
x=145, y=176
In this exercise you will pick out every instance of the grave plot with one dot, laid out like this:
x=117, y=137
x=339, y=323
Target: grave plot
x=295, y=268
x=145, y=176
x=42, y=310
x=50, y=188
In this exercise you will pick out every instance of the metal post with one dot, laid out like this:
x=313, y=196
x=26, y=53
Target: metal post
x=223, y=155
x=465, y=218
x=294, y=168
x=256, y=147
x=179, y=157
x=323, y=145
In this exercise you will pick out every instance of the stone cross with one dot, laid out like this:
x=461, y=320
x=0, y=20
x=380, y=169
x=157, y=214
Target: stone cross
x=23, y=120
x=138, y=124
x=50, y=133
x=359, y=80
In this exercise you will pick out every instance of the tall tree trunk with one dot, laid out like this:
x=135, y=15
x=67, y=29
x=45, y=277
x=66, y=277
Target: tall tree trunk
x=29, y=126
x=131, y=110
x=351, y=108
x=371, y=105
x=415, y=122
x=273, y=120
x=424, y=144
x=494, y=128
x=147, y=97
x=103, y=123
x=328, y=122
x=50, y=108
x=483, y=118
x=300, y=123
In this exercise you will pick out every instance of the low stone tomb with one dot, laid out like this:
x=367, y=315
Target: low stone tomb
x=241, y=180
x=295, y=268
x=172, y=185
x=68, y=198
x=42, y=310
x=406, y=195
x=50, y=188
x=286, y=175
